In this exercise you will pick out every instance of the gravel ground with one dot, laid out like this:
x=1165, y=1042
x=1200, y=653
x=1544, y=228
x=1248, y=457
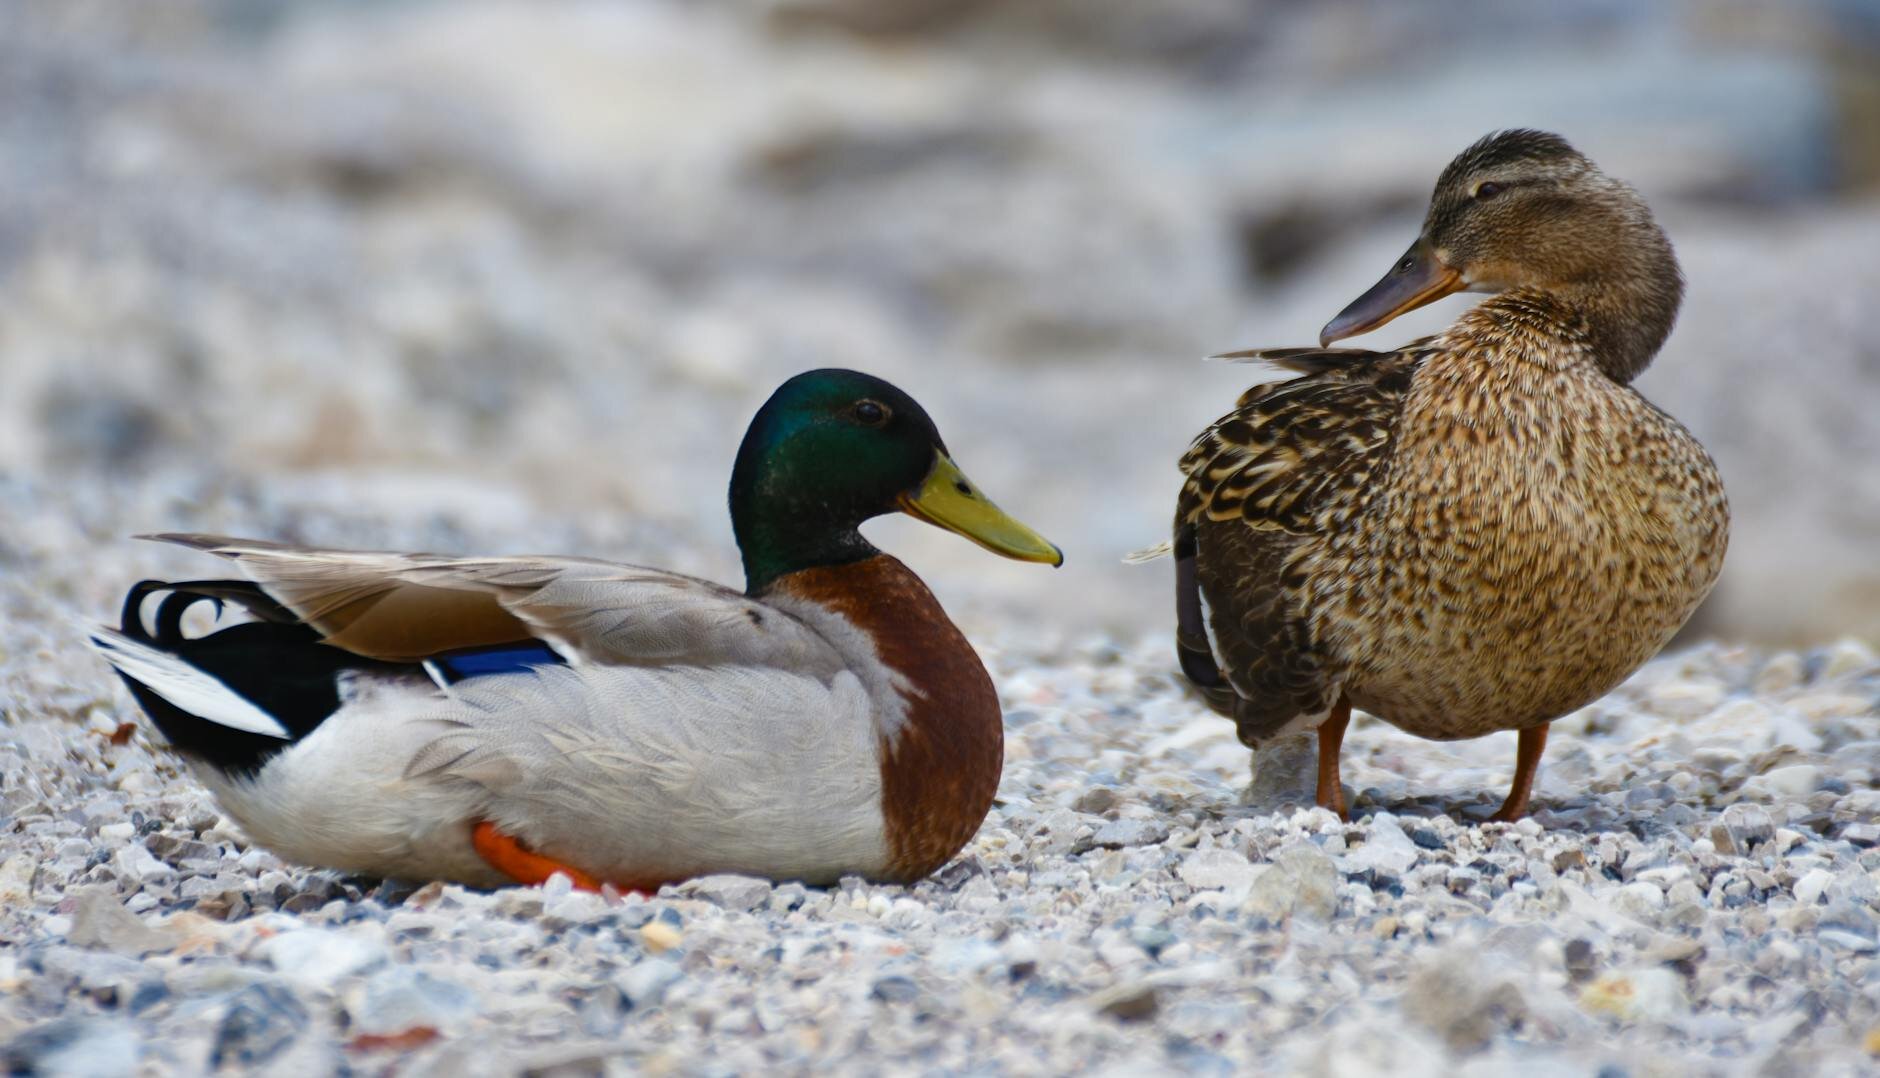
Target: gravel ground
x=1696, y=890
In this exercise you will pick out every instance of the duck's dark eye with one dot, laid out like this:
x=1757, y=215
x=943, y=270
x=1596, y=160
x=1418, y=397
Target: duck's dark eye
x=1487, y=189
x=870, y=413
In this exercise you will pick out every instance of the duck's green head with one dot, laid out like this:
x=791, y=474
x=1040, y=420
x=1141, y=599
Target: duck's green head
x=833, y=448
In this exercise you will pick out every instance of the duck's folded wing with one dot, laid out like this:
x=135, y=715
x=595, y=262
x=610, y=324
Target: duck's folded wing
x=1288, y=468
x=410, y=607
x=665, y=773
x=1293, y=450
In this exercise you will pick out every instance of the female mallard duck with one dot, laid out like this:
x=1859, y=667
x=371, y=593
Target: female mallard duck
x=1483, y=530
x=496, y=720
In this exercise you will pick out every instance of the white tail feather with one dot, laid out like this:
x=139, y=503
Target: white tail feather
x=1149, y=553
x=1263, y=369
x=185, y=686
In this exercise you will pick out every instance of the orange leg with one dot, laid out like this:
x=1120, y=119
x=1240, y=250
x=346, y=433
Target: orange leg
x=1331, y=738
x=507, y=856
x=1527, y=761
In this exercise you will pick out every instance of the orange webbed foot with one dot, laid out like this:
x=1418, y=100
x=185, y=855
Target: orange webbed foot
x=508, y=857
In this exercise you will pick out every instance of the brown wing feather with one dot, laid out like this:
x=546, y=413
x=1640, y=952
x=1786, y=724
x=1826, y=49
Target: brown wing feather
x=1267, y=485
x=363, y=602
x=407, y=607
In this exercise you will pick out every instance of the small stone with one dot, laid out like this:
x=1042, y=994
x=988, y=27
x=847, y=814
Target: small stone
x=135, y=866
x=1386, y=850
x=1117, y=834
x=402, y=998
x=1301, y=879
x=262, y=1020
x=659, y=937
x=1796, y=780
x=1578, y=957
x=1643, y=901
x=517, y=901
x=1283, y=769
x=1687, y=699
x=1780, y=674
x=1812, y=885
x=573, y=908
x=1096, y=801
x=116, y=833
x=1427, y=838
x=322, y=957
x=896, y=989
x=80, y=1047
x=968, y=954
x=1457, y=998
x=1217, y=869
x=1847, y=656
x=1128, y=1003
x=952, y=878
x=100, y=920
x=1684, y=892
x=1741, y=827
x=1632, y=995
x=16, y=877
x=1153, y=939
x=1862, y=834
x=1847, y=941
x=645, y=983
x=728, y=891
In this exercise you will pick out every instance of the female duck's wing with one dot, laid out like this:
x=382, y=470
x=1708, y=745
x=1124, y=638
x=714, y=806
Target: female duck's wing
x=411, y=607
x=1292, y=465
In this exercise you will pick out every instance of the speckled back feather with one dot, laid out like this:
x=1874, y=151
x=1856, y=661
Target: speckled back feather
x=1294, y=459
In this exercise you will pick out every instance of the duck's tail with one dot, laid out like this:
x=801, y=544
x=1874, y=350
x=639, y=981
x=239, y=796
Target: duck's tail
x=232, y=698
x=195, y=691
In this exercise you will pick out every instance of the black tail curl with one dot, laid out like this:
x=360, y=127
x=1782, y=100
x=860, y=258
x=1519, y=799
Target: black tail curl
x=275, y=662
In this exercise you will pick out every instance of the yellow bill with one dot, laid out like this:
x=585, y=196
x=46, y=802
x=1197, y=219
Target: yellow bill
x=949, y=500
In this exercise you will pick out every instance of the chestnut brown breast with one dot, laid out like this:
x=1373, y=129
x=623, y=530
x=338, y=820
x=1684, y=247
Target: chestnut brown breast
x=941, y=768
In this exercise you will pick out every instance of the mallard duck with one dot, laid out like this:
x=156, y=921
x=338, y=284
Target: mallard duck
x=1482, y=530
x=497, y=720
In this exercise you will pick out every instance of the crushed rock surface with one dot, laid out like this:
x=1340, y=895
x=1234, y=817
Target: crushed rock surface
x=1695, y=891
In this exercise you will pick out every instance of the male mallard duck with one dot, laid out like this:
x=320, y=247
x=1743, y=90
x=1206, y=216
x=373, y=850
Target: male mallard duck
x=1483, y=530
x=496, y=720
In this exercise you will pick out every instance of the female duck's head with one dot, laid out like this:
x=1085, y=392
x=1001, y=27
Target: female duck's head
x=1523, y=209
x=833, y=448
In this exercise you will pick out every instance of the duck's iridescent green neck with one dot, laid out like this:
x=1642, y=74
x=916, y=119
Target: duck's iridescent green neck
x=775, y=539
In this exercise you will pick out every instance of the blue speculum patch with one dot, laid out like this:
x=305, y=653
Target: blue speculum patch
x=499, y=659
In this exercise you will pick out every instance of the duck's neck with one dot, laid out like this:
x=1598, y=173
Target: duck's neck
x=942, y=734
x=1627, y=310
x=773, y=546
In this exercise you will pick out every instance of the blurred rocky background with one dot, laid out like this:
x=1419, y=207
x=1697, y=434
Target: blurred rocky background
x=500, y=274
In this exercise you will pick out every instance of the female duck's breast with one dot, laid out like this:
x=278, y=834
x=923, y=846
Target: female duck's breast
x=1530, y=559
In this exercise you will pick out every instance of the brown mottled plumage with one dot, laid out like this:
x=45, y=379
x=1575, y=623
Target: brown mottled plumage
x=1481, y=531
